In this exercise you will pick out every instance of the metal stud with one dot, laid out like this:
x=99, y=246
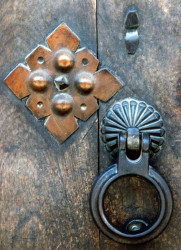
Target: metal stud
x=64, y=59
x=85, y=82
x=62, y=103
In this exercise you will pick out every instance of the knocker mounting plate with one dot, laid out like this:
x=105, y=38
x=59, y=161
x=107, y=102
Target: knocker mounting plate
x=132, y=113
x=61, y=83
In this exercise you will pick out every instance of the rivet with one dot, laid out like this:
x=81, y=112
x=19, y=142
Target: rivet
x=136, y=225
x=39, y=80
x=62, y=103
x=64, y=59
x=85, y=82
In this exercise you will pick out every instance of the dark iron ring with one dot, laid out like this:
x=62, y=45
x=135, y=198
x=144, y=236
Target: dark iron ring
x=96, y=203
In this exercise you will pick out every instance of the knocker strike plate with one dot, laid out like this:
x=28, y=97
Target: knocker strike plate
x=61, y=83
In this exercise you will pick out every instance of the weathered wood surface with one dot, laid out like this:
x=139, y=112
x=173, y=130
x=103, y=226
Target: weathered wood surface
x=153, y=75
x=45, y=186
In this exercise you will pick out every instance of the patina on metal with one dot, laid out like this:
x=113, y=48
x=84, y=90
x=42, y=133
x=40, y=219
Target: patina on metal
x=131, y=25
x=130, y=128
x=61, y=83
x=135, y=114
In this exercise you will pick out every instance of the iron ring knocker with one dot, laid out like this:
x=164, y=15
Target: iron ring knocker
x=134, y=136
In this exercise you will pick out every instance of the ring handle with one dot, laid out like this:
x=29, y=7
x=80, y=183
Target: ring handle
x=96, y=203
x=132, y=131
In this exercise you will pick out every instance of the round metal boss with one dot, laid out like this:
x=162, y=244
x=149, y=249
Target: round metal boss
x=132, y=113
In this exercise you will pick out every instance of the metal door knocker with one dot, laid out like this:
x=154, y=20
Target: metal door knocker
x=133, y=131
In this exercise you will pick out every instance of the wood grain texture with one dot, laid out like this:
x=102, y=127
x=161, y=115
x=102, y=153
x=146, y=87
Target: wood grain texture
x=45, y=186
x=152, y=74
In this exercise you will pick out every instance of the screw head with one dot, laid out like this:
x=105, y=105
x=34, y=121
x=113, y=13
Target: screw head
x=39, y=80
x=64, y=59
x=62, y=103
x=85, y=82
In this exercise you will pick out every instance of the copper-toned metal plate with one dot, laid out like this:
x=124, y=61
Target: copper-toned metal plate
x=61, y=83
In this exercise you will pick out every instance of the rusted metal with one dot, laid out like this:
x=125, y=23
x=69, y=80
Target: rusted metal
x=62, y=83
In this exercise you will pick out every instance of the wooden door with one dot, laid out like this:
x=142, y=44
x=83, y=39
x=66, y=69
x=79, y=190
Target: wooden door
x=45, y=186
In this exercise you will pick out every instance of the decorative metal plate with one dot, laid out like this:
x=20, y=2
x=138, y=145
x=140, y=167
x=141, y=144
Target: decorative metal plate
x=61, y=83
x=132, y=113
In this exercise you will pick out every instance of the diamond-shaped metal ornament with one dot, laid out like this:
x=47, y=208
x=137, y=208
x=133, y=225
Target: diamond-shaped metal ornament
x=61, y=83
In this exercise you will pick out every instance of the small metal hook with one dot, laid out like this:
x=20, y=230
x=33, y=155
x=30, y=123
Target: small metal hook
x=131, y=25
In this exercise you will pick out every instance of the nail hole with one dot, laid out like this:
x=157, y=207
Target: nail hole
x=39, y=105
x=83, y=106
x=41, y=60
x=85, y=61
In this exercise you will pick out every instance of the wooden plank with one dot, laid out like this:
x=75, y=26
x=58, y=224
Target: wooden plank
x=153, y=75
x=45, y=186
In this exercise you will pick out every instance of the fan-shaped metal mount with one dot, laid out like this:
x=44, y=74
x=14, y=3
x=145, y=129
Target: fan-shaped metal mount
x=132, y=113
